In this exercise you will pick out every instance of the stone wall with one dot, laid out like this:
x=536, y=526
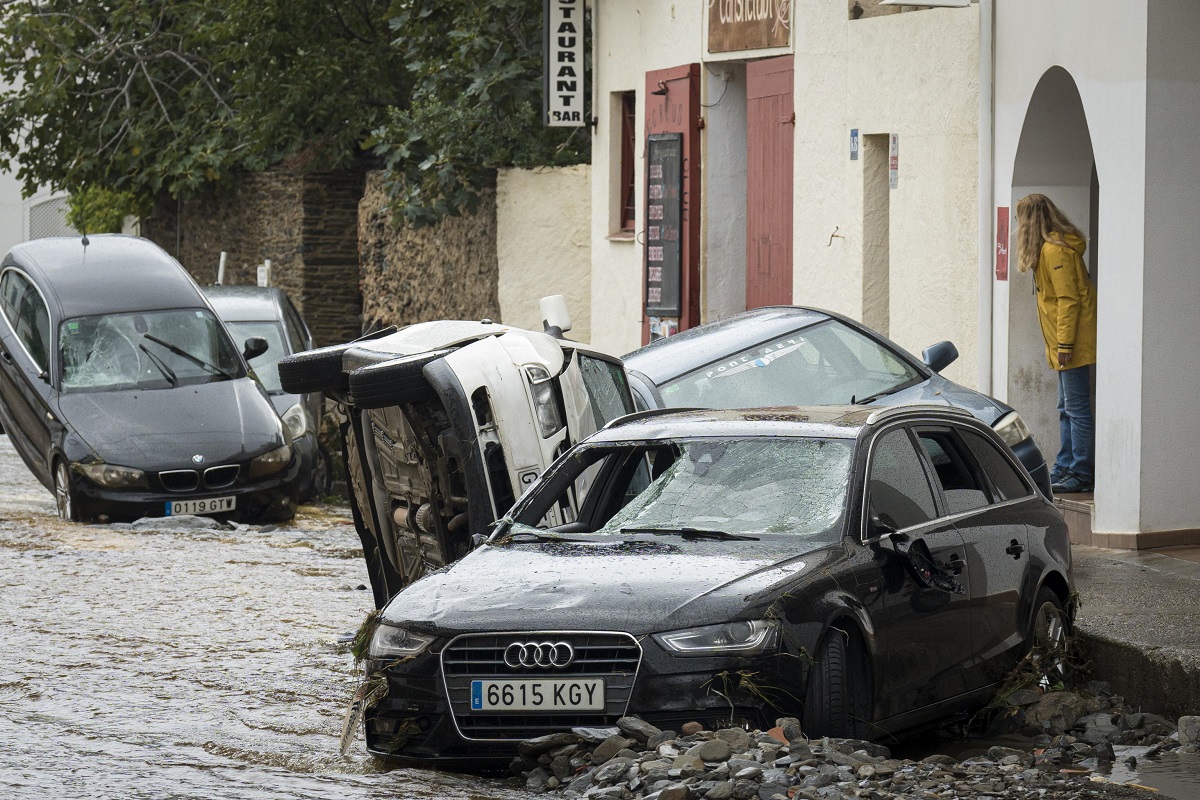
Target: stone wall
x=304, y=223
x=444, y=271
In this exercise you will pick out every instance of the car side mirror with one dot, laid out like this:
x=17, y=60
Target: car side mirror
x=939, y=356
x=924, y=569
x=478, y=540
x=255, y=346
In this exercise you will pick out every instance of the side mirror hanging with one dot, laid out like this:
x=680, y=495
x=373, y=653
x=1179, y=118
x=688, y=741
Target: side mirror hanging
x=254, y=346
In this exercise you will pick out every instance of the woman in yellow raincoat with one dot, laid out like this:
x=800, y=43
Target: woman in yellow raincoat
x=1053, y=248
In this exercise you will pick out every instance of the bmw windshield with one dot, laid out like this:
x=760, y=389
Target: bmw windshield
x=826, y=364
x=146, y=350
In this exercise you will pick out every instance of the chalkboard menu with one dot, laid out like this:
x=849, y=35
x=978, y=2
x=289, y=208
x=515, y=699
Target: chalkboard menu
x=664, y=215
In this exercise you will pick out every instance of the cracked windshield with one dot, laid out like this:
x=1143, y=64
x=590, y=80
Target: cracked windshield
x=147, y=350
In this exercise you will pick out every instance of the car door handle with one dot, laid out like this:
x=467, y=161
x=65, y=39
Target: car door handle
x=955, y=564
x=7, y=356
x=1015, y=549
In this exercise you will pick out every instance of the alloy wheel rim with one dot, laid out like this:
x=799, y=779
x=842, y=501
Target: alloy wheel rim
x=62, y=492
x=1049, y=645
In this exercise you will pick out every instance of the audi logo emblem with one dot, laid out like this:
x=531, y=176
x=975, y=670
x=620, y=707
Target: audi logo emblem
x=539, y=654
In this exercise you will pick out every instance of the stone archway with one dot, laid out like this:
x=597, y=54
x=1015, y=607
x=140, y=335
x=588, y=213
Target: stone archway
x=1054, y=157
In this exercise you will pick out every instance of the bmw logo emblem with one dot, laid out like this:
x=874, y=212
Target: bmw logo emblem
x=197, y=459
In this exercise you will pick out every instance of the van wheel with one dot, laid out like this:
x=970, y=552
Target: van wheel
x=391, y=383
x=64, y=495
x=317, y=370
x=1049, y=637
x=837, y=701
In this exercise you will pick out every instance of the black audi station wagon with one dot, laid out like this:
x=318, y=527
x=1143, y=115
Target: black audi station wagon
x=124, y=394
x=867, y=570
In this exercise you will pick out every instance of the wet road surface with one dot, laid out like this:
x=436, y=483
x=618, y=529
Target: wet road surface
x=159, y=662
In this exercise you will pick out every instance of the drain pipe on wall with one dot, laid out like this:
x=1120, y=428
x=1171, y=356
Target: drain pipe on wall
x=987, y=172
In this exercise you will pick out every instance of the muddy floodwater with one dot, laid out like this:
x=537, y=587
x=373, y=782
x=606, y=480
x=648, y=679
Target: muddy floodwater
x=163, y=662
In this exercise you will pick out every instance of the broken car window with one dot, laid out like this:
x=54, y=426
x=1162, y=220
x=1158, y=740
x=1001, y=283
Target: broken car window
x=146, y=350
x=788, y=486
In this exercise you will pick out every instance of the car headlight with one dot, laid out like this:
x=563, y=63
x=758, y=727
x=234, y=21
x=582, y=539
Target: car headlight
x=296, y=421
x=113, y=476
x=389, y=641
x=1012, y=429
x=545, y=404
x=271, y=461
x=743, y=638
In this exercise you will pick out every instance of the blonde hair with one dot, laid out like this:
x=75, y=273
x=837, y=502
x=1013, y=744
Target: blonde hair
x=1039, y=221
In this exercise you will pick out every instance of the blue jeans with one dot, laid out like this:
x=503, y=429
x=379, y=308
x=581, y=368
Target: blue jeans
x=1076, y=429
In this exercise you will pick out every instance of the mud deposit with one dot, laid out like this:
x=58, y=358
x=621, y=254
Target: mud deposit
x=170, y=662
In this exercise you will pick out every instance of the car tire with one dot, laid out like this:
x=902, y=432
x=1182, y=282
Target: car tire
x=317, y=370
x=1049, y=639
x=837, y=701
x=64, y=496
x=401, y=380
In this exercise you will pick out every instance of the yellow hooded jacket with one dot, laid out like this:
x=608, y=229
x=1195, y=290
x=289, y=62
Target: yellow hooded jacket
x=1066, y=302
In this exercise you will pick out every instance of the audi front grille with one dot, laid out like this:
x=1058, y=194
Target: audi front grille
x=615, y=657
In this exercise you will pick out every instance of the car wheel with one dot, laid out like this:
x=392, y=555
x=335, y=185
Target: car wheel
x=1049, y=637
x=391, y=383
x=313, y=370
x=64, y=495
x=837, y=701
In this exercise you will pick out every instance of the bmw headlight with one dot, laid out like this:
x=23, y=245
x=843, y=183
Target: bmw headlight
x=1012, y=429
x=113, y=476
x=742, y=638
x=296, y=420
x=544, y=402
x=271, y=461
x=389, y=641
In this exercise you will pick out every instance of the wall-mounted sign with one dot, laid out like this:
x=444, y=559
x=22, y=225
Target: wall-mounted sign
x=1002, y=243
x=664, y=215
x=893, y=160
x=854, y=144
x=748, y=24
x=563, y=85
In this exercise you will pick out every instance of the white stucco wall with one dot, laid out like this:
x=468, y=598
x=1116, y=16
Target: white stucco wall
x=916, y=75
x=1105, y=53
x=12, y=212
x=631, y=37
x=543, y=244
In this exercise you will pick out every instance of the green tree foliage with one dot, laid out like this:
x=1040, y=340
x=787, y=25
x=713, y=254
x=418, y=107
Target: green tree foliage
x=476, y=104
x=98, y=209
x=151, y=96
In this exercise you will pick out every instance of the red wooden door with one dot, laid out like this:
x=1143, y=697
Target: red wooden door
x=770, y=126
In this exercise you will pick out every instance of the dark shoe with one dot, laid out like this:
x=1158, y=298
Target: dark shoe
x=1058, y=475
x=1072, y=484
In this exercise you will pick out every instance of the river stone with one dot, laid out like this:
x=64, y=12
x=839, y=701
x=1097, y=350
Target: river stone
x=691, y=728
x=722, y=790
x=748, y=773
x=688, y=764
x=596, y=735
x=678, y=791
x=537, y=780
x=1058, y=712
x=770, y=790
x=560, y=766
x=745, y=790
x=612, y=770
x=609, y=748
x=1097, y=728
x=739, y=740
x=1189, y=730
x=637, y=728
x=790, y=727
x=712, y=750
x=533, y=747
x=660, y=738
x=581, y=783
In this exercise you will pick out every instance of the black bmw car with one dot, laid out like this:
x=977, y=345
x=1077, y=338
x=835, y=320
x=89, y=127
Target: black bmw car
x=795, y=356
x=123, y=392
x=866, y=570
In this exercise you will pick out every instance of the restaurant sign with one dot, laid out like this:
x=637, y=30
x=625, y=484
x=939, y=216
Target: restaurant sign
x=562, y=89
x=748, y=24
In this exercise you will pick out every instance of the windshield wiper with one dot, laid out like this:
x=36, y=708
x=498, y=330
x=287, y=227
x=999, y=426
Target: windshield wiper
x=167, y=372
x=872, y=397
x=529, y=537
x=199, y=362
x=693, y=534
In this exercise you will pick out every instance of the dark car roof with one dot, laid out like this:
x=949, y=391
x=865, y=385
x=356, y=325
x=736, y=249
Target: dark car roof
x=667, y=358
x=246, y=303
x=98, y=278
x=829, y=422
